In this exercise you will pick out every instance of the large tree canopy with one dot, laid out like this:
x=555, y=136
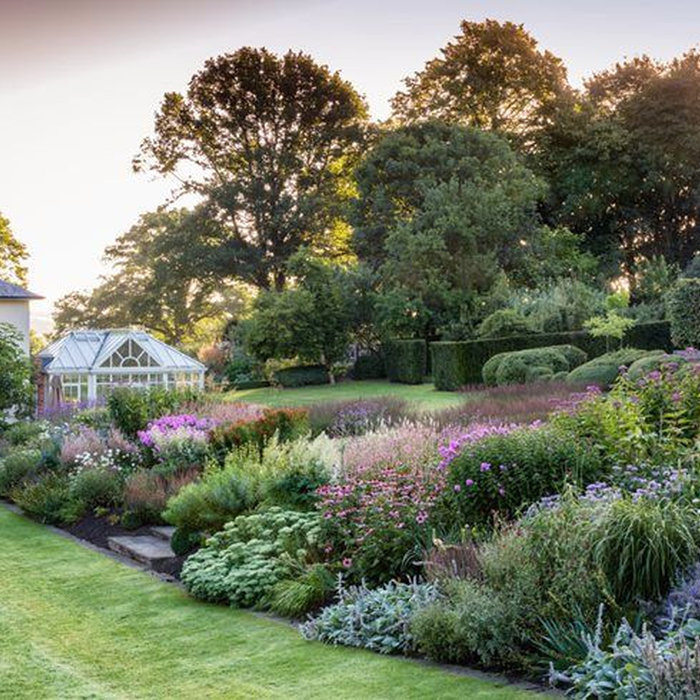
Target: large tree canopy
x=444, y=210
x=160, y=280
x=269, y=143
x=12, y=255
x=491, y=76
x=624, y=162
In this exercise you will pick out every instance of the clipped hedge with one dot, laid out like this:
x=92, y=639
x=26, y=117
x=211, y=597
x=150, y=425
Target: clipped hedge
x=534, y=364
x=459, y=363
x=406, y=361
x=684, y=312
x=603, y=370
x=369, y=366
x=305, y=375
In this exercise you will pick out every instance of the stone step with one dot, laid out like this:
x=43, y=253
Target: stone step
x=147, y=549
x=165, y=532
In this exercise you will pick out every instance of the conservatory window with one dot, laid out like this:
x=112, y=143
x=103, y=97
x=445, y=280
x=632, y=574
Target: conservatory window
x=129, y=354
x=75, y=387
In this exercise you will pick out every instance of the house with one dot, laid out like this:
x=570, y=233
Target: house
x=85, y=365
x=14, y=309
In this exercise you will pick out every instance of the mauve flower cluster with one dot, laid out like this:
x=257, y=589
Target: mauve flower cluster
x=413, y=447
x=473, y=434
x=86, y=440
x=358, y=417
x=220, y=412
x=166, y=430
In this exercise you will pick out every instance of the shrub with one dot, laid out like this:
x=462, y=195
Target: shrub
x=369, y=366
x=305, y=375
x=525, y=366
x=297, y=596
x=48, y=499
x=15, y=371
x=406, y=361
x=184, y=542
x=25, y=433
x=473, y=624
x=131, y=409
x=207, y=505
x=459, y=364
x=604, y=369
x=684, y=312
x=146, y=495
x=242, y=563
x=285, y=423
x=504, y=323
x=378, y=619
x=96, y=487
x=83, y=440
x=641, y=545
x=177, y=441
x=504, y=473
x=16, y=466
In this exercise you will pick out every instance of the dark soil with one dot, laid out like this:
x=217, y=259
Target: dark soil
x=97, y=530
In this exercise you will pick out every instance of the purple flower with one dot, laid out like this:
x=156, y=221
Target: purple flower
x=458, y=488
x=469, y=482
x=485, y=466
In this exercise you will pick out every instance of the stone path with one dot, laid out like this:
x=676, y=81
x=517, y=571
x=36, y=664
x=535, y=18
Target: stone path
x=148, y=549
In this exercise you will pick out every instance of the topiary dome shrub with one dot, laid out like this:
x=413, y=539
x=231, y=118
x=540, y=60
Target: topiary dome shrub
x=533, y=364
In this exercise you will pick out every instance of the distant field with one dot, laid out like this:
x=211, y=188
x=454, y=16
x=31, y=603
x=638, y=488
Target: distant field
x=423, y=396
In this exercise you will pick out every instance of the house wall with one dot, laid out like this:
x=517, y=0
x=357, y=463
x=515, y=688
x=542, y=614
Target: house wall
x=16, y=312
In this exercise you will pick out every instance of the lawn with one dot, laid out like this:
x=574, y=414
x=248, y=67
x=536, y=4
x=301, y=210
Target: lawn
x=76, y=624
x=422, y=396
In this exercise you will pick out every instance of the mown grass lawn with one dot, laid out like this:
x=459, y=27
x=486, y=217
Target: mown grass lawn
x=423, y=396
x=76, y=624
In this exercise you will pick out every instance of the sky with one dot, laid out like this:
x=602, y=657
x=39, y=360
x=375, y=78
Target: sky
x=81, y=80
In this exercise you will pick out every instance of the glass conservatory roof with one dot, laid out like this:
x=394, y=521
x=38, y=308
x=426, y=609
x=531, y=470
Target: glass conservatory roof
x=107, y=350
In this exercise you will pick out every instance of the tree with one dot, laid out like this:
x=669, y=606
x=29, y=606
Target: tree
x=624, y=163
x=12, y=255
x=492, y=76
x=162, y=280
x=15, y=385
x=443, y=211
x=269, y=144
x=311, y=320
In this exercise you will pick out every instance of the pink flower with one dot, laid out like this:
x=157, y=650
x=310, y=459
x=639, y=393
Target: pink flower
x=347, y=562
x=469, y=482
x=458, y=488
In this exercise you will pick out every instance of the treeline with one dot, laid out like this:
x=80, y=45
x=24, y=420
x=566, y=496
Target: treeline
x=494, y=188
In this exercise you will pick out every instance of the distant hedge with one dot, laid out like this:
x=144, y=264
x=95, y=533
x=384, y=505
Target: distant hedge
x=406, y=360
x=684, y=312
x=369, y=366
x=458, y=363
x=301, y=376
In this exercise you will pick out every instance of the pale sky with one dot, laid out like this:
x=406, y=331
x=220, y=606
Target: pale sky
x=80, y=81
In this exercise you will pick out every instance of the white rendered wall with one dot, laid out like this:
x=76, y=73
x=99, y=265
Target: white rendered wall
x=16, y=312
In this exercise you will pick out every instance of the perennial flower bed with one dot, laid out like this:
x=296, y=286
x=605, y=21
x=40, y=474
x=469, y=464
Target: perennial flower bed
x=561, y=549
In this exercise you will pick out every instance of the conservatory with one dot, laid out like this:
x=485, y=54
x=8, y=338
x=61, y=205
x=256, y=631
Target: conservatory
x=85, y=365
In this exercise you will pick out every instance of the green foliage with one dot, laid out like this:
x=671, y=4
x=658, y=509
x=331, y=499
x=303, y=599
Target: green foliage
x=501, y=474
x=406, y=361
x=473, y=625
x=132, y=409
x=48, y=499
x=491, y=76
x=285, y=474
x=523, y=366
x=298, y=596
x=369, y=366
x=301, y=376
x=611, y=326
x=25, y=433
x=604, y=369
x=184, y=541
x=642, y=545
x=96, y=487
x=15, y=386
x=684, y=312
x=242, y=563
x=17, y=465
x=641, y=367
x=459, y=363
x=504, y=323
x=161, y=279
x=378, y=619
x=13, y=253
x=311, y=321
x=284, y=423
x=273, y=141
